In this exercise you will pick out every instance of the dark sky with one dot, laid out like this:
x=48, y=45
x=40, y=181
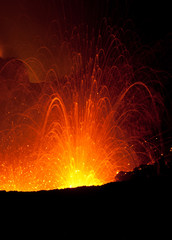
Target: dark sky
x=152, y=19
x=22, y=20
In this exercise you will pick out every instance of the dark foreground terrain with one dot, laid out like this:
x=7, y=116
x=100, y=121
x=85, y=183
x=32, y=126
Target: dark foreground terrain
x=138, y=203
x=124, y=191
x=144, y=181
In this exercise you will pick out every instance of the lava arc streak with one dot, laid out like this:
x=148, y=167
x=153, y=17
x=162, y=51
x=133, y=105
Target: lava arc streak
x=79, y=129
x=77, y=145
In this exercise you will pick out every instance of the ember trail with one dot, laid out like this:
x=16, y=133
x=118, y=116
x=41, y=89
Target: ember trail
x=79, y=124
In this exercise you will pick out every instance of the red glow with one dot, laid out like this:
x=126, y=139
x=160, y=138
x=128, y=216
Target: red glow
x=74, y=119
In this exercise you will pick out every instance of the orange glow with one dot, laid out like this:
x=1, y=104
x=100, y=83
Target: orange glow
x=73, y=147
x=79, y=127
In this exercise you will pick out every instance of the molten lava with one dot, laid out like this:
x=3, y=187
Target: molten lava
x=75, y=128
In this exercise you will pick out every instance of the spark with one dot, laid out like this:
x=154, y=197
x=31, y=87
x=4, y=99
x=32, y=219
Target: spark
x=78, y=130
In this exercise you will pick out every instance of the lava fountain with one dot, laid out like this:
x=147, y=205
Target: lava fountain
x=78, y=118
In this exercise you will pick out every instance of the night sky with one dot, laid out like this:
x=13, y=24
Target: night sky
x=151, y=20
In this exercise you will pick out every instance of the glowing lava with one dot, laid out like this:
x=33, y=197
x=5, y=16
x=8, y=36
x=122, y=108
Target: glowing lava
x=77, y=130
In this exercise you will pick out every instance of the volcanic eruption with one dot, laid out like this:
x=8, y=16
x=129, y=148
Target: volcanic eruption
x=76, y=111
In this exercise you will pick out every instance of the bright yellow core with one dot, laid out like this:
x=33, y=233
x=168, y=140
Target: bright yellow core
x=78, y=178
